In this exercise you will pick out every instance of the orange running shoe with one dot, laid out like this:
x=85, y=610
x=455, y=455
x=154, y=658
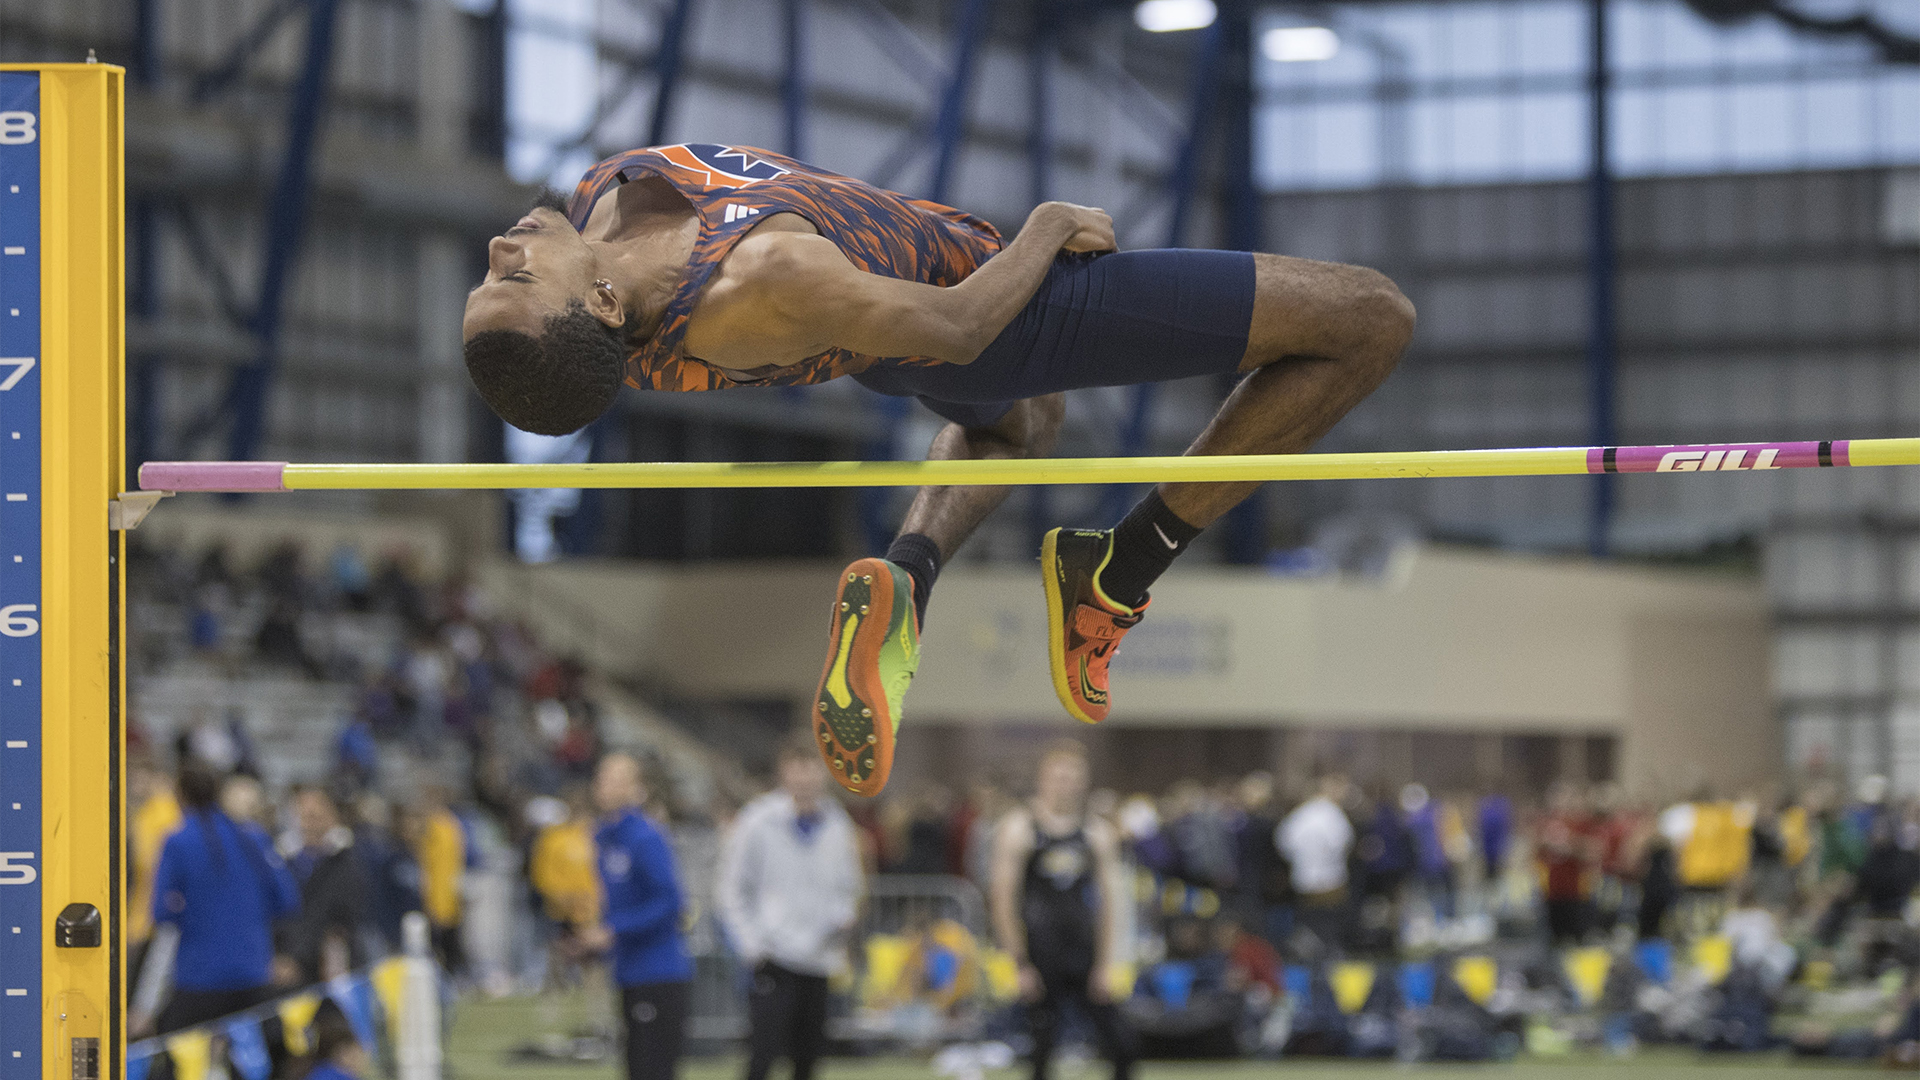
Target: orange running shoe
x=1084, y=626
x=873, y=649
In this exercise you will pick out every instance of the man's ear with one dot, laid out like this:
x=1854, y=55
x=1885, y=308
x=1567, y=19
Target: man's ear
x=605, y=305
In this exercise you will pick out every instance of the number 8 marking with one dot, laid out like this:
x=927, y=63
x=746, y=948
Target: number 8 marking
x=16, y=128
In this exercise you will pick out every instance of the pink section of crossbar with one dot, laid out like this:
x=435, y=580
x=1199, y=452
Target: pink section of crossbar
x=212, y=476
x=1717, y=457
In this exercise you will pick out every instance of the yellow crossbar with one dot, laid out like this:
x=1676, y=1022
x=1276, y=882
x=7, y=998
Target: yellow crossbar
x=1537, y=461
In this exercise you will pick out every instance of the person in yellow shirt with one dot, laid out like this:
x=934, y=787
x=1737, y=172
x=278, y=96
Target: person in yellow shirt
x=562, y=868
x=439, y=845
x=153, y=815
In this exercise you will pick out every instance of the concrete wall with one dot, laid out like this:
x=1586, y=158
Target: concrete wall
x=1673, y=665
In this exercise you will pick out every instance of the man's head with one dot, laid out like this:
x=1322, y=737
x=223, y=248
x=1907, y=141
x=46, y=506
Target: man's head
x=199, y=786
x=315, y=813
x=1332, y=787
x=1060, y=782
x=802, y=776
x=618, y=785
x=546, y=335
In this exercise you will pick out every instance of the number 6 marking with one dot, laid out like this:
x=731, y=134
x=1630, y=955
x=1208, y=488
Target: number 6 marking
x=21, y=365
x=16, y=620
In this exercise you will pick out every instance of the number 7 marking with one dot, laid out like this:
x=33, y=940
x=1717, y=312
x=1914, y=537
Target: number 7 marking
x=21, y=365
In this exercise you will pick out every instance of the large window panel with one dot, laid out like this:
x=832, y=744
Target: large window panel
x=1765, y=128
x=1553, y=136
x=1897, y=115
x=1839, y=123
x=1497, y=93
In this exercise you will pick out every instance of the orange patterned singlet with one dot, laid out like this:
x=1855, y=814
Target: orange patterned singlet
x=734, y=187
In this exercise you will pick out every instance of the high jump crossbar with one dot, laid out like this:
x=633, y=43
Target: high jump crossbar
x=263, y=476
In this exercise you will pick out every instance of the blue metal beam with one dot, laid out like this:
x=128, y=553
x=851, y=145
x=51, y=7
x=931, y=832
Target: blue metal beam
x=1202, y=93
x=1183, y=182
x=230, y=66
x=146, y=43
x=949, y=126
x=1601, y=266
x=246, y=398
x=793, y=85
x=1040, y=49
x=1246, y=524
x=1040, y=102
x=667, y=62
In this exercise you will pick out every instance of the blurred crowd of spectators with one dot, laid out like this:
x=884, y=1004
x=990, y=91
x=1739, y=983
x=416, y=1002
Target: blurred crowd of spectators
x=1233, y=884
x=1810, y=898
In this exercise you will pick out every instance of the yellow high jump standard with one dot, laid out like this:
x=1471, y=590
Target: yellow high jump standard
x=62, y=464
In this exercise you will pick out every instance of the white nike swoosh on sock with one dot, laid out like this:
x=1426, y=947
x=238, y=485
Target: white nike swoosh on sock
x=1171, y=546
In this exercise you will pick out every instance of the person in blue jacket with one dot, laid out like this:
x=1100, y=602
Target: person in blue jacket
x=221, y=886
x=641, y=921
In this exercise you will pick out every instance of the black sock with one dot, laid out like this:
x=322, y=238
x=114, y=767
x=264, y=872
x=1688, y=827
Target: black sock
x=1145, y=543
x=919, y=556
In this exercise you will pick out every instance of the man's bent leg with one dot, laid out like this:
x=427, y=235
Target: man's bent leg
x=873, y=633
x=941, y=518
x=1322, y=337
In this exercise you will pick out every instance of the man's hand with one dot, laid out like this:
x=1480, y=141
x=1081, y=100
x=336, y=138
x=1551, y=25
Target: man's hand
x=1088, y=228
x=1100, y=984
x=596, y=938
x=1031, y=989
x=285, y=971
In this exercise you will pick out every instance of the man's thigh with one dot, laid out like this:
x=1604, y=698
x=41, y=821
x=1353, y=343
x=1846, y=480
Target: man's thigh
x=807, y=1024
x=656, y=1026
x=770, y=1007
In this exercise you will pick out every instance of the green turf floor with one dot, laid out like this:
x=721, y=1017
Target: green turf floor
x=483, y=1031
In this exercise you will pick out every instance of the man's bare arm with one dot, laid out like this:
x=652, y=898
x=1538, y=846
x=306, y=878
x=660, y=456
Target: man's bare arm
x=1106, y=869
x=784, y=296
x=1012, y=844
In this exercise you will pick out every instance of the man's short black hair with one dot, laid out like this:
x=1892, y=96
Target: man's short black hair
x=199, y=785
x=554, y=384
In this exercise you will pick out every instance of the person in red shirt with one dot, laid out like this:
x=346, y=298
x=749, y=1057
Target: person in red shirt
x=1618, y=836
x=1564, y=846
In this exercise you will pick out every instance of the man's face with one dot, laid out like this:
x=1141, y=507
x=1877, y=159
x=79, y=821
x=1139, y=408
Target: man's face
x=803, y=778
x=533, y=272
x=1062, y=782
x=616, y=784
x=316, y=818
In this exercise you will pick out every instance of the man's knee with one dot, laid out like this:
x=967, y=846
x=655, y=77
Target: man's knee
x=1045, y=415
x=1028, y=429
x=1391, y=314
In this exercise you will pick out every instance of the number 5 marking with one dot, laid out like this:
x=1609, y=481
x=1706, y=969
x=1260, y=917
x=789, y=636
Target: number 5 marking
x=14, y=869
x=21, y=365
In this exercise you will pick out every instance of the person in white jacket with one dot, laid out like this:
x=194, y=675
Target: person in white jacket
x=789, y=891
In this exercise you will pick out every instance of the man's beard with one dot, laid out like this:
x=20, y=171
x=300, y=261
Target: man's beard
x=550, y=199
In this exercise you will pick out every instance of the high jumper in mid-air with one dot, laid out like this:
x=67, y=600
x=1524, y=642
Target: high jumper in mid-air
x=702, y=267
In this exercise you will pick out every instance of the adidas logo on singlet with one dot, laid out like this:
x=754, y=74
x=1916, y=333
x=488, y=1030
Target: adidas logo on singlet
x=735, y=211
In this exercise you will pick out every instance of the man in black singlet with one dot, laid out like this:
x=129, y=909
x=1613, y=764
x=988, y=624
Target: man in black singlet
x=1055, y=905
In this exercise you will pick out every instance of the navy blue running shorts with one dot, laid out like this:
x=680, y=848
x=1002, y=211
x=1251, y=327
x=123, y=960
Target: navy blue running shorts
x=1115, y=319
